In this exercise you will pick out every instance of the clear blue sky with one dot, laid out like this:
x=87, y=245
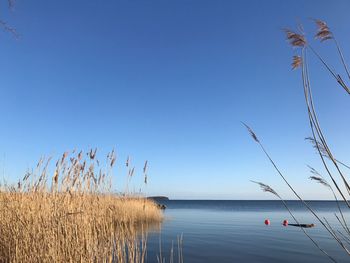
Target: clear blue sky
x=170, y=81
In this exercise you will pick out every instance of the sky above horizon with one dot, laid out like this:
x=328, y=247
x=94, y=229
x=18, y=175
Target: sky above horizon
x=170, y=82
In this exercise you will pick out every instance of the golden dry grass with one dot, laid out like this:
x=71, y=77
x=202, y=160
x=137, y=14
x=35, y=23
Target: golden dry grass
x=77, y=219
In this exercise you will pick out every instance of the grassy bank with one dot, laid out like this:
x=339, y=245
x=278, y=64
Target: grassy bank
x=76, y=219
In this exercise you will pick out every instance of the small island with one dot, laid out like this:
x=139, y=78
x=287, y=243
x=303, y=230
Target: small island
x=158, y=198
x=159, y=201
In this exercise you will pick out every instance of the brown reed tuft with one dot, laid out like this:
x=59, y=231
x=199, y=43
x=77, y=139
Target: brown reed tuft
x=295, y=39
x=297, y=61
x=251, y=132
x=323, y=32
x=266, y=188
x=320, y=180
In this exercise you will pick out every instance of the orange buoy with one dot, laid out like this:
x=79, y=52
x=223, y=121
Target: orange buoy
x=285, y=222
x=267, y=222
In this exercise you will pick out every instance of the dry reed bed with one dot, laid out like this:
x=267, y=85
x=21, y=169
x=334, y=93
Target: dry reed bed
x=75, y=220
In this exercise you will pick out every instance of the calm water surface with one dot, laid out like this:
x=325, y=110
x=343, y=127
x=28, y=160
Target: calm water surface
x=234, y=231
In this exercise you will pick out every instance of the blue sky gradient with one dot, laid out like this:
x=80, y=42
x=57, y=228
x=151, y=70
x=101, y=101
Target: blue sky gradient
x=169, y=82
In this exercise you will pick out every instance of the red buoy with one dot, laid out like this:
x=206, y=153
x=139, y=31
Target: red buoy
x=285, y=222
x=267, y=222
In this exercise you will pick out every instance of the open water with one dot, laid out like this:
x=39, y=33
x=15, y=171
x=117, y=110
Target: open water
x=234, y=231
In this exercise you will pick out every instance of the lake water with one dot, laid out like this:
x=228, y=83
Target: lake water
x=234, y=231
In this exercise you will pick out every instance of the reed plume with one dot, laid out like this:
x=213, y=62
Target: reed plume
x=323, y=32
x=295, y=39
x=297, y=61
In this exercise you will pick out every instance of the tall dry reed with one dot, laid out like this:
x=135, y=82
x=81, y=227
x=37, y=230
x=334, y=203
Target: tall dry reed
x=332, y=166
